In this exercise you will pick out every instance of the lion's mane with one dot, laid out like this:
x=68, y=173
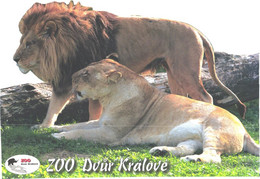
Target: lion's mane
x=82, y=36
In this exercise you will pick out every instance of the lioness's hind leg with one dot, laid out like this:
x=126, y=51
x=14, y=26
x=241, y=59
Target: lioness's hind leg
x=182, y=149
x=207, y=156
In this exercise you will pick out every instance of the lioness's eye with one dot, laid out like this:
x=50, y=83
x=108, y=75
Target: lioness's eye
x=86, y=73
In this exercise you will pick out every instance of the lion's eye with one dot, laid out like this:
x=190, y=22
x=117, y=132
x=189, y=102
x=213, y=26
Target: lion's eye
x=28, y=44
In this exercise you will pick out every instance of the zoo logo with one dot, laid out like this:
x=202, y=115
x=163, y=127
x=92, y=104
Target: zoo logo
x=22, y=164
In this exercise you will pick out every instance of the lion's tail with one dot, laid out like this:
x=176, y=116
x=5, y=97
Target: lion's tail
x=250, y=146
x=209, y=53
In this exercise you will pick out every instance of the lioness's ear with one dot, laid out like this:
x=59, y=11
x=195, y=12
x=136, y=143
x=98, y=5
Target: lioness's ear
x=50, y=28
x=113, y=76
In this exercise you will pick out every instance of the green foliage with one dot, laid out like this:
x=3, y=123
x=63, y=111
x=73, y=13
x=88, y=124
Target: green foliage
x=22, y=140
x=251, y=121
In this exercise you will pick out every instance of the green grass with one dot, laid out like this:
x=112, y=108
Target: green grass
x=39, y=143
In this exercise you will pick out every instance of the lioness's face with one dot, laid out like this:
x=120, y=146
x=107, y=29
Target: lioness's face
x=90, y=83
x=95, y=81
x=27, y=54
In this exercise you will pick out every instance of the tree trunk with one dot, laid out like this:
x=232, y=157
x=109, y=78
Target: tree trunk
x=238, y=73
x=28, y=103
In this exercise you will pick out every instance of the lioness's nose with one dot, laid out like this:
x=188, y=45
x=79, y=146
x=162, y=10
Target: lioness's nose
x=78, y=93
x=16, y=59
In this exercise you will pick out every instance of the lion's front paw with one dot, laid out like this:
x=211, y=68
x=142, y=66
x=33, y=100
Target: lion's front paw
x=159, y=151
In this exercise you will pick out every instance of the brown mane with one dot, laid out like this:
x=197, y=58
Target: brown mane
x=82, y=36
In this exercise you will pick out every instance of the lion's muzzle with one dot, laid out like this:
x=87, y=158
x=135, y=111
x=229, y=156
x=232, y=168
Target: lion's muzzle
x=23, y=70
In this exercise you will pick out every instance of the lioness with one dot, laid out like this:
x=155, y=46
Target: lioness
x=137, y=113
x=59, y=39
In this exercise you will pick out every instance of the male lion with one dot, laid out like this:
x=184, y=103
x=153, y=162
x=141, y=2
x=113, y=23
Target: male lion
x=58, y=40
x=137, y=113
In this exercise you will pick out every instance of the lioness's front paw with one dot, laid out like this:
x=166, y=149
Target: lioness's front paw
x=159, y=151
x=191, y=158
x=58, y=135
x=35, y=127
x=70, y=135
x=40, y=126
x=202, y=158
x=58, y=128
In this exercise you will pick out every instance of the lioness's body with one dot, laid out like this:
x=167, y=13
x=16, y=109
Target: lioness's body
x=137, y=113
x=60, y=39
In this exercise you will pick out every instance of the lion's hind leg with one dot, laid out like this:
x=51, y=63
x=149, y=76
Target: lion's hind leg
x=210, y=145
x=186, y=83
x=185, y=148
x=184, y=69
x=196, y=89
x=174, y=85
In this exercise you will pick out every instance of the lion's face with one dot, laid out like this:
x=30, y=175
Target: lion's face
x=27, y=54
x=95, y=81
x=59, y=39
x=38, y=51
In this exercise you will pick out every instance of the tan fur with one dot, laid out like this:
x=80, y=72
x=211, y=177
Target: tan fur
x=137, y=113
x=60, y=39
x=182, y=47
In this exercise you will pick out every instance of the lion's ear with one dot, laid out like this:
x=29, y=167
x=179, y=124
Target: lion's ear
x=22, y=27
x=113, y=76
x=50, y=28
x=71, y=4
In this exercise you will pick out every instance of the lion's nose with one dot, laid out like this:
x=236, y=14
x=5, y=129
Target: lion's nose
x=16, y=59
